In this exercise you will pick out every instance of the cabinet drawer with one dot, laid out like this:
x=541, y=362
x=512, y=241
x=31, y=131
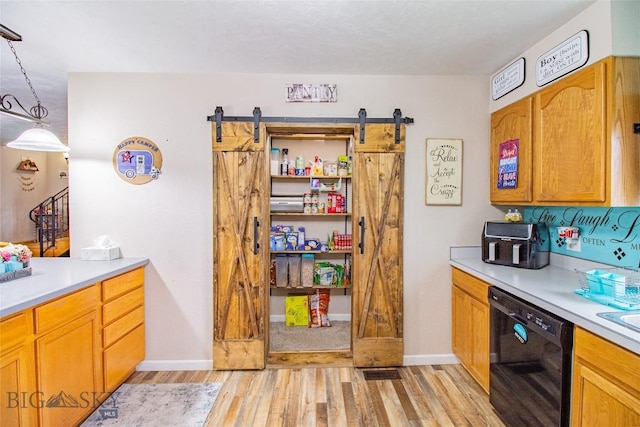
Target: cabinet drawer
x=15, y=330
x=122, y=326
x=119, y=285
x=66, y=308
x=121, y=359
x=618, y=362
x=471, y=285
x=118, y=307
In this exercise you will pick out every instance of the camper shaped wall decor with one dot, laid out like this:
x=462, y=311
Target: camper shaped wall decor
x=137, y=160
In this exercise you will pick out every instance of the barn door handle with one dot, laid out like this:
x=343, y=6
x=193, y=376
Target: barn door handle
x=256, y=245
x=361, y=244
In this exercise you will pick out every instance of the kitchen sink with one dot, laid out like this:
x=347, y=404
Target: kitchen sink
x=630, y=319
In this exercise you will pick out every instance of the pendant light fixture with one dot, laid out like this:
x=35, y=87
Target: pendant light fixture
x=38, y=138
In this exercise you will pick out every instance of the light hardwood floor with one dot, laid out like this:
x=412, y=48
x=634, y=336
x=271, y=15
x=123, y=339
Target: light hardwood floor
x=434, y=395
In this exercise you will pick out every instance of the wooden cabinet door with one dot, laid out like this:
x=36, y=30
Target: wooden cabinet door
x=570, y=147
x=625, y=144
x=240, y=247
x=18, y=396
x=377, y=297
x=606, y=383
x=470, y=326
x=513, y=122
x=479, y=322
x=70, y=371
x=460, y=329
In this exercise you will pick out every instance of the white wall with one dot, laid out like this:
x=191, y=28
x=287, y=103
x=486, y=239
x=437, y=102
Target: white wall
x=169, y=220
x=597, y=20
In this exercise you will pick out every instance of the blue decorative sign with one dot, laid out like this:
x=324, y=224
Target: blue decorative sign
x=607, y=235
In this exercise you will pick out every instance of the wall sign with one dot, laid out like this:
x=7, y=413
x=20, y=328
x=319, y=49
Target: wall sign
x=569, y=55
x=508, y=164
x=302, y=92
x=507, y=79
x=607, y=235
x=443, y=181
x=137, y=160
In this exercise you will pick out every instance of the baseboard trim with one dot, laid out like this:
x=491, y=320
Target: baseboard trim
x=430, y=359
x=207, y=365
x=175, y=365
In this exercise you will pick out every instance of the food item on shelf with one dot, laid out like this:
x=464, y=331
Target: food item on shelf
x=272, y=273
x=299, y=166
x=330, y=168
x=294, y=270
x=301, y=231
x=275, y=161
x=284, y=169
x=319, y=308
x=292, y=241
x=307, y=270
x=316, y=167
x=342, y=165
x=312, y=244
x=296, y=309
x=324, y=273
x=282, y=271
x=328, y=274
x=336, y=203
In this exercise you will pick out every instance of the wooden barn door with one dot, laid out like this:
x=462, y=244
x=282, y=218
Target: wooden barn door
x=377, y=303
x=240, y=242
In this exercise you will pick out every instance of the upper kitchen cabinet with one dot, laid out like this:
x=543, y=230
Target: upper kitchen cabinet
x=584, y=150
x=512, y=123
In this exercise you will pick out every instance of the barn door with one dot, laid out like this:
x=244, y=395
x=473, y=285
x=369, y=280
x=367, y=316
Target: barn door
x=377, y=267
x=240, y=227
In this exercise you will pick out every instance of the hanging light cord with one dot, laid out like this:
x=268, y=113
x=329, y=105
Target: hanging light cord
x=37, y=111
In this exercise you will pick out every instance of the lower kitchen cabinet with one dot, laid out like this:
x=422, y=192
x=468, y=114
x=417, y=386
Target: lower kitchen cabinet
x=470, y=324
x=68, y=357
x=123, y=326
x=606, y=383
x=59, y=360
x=18, y=402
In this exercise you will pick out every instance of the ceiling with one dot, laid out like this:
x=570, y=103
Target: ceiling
x=427, y=37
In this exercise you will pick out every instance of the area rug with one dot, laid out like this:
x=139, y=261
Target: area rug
x=157, y=405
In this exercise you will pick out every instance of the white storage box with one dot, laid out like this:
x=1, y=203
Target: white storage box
x=100, y=254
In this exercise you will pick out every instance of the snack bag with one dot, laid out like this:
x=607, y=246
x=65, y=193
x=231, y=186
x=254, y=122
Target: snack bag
x=319, y=308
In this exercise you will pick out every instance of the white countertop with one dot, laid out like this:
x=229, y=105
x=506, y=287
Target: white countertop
x=54, y=277
x=551, y=288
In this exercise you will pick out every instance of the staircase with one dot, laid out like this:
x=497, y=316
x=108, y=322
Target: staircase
x=51, y=218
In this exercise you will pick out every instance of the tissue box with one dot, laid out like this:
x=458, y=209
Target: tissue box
x=100, y=254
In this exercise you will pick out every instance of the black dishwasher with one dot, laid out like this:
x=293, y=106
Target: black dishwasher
x=530, y=363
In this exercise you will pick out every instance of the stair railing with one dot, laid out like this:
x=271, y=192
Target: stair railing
x=51, y=218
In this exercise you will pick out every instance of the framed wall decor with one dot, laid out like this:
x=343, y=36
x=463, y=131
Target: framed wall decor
x=443, y=176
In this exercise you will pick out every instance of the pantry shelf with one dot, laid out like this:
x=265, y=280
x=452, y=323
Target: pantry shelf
x=301, y=288
x=307, y=177
x=335, y=251
x=345, y=214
